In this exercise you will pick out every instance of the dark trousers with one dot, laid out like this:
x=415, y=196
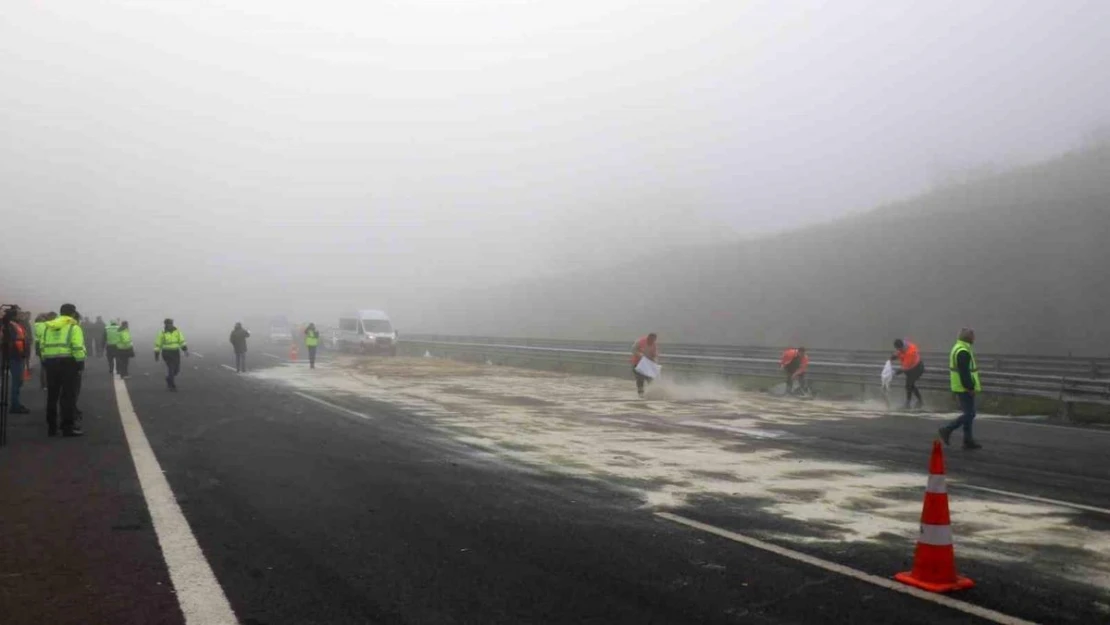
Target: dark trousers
x=42, y=374
x=641, y=380
x=99, y=347
x=16, y=387
x=912, y=376
x=173, y=366
x=790, y=379
x=312, y=357
x=123, y=359
x=241, y=362
x=63, y=383
x=967, y=416
x=112, y=354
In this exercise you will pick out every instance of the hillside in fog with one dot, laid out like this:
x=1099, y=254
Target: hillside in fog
x=1021, y=255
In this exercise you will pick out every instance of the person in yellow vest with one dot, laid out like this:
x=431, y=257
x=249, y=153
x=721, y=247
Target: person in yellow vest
x=63, y=355
x=169, y=344
x=311, y=341
x=963, y=374
x=109, y=340
x=40, y=331
x=125, y=350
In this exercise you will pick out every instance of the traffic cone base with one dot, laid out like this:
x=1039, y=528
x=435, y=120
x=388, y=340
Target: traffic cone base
x=934, y=560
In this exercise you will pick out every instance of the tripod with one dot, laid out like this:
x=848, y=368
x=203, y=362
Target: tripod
x=5, y=368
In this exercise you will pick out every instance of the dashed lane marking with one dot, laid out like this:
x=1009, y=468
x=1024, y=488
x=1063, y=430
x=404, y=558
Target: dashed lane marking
x=334, y=406
x=272, y=356
x=200, y=596
x=840, y=569
x=197, y=354
x=228, y=367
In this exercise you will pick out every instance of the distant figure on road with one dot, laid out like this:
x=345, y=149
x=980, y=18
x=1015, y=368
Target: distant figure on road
x=125, y=350
x=109, y=340
x=169, y=344
x=238, y=338
x=912, y=366
x=963, y=374
x=98, y=328
x=63, y=353
x=19, y=357
x=645, y=346
x=311, y=341
x=795, y=363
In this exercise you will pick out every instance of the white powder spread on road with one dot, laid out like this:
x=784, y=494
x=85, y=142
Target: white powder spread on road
x=706, y=441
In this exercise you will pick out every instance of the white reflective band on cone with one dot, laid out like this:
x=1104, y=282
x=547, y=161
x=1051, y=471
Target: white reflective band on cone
x=939, y=535
x=936, y=484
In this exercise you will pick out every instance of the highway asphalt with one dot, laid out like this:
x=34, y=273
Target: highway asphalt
x=330, y=508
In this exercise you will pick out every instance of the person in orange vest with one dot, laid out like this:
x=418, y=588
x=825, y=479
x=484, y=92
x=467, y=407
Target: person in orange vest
x=644, y=346
x=795, y=363
x=912, y=366
x=18, y=357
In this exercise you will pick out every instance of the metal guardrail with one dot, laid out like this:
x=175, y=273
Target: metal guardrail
x=1068, y=366
x=1064, y=388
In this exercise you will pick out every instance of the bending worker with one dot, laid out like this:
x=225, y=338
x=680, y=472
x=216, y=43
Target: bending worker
x=795, y=363
x=311, y=341
x=963, y=374
x=910, y=365
x=645, y=346
x=169, y=344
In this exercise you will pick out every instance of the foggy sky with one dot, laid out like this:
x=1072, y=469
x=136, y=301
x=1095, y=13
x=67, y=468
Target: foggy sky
x=196, y=159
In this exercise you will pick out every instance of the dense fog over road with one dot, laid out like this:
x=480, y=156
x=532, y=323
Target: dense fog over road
x=212, y=161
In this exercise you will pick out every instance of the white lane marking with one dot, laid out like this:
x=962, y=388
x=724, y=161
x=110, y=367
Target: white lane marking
x=228, y=367
x=1057, y=502
x=832, y=567
x=197, y=354
x=200, y=596
x=335, y=407
x=272, y=356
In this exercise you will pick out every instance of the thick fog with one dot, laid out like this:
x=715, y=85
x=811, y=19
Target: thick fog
x=212, y=161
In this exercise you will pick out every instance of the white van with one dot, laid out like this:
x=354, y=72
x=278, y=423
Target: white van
x=367, y=331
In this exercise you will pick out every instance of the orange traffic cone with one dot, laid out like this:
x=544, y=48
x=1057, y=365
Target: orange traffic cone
x=27, y=374
x=934, y=561
x=293, y=352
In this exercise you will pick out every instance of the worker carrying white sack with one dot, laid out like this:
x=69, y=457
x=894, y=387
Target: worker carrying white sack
x=645, y=361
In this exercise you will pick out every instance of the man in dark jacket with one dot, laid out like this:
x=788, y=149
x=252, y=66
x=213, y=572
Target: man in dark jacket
x=238, y=339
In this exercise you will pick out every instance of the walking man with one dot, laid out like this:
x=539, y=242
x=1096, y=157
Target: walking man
x=98, y=328
x=311, y=341
x=169, y=344
x=238, y=338
x=644, y=347
x=963, y=374
x=63, y=352
x=912, y=366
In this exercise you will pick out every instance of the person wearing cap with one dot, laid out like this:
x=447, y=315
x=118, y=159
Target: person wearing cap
x=912, y=366
x=63, y=354
x=169, y=344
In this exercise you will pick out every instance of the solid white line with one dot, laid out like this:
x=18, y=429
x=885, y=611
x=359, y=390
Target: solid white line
x=200, y=596
x=272, y=356
x=832, y=567
x=333, y=406
x=1066, y=504
x=228, y=367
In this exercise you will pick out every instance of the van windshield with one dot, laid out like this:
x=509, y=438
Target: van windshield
x=376, y=325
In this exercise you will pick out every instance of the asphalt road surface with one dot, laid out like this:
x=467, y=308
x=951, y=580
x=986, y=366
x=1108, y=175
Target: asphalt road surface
x=426, y=492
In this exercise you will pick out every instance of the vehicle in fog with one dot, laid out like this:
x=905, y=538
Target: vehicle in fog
x=368, y=331
x=280, y=330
